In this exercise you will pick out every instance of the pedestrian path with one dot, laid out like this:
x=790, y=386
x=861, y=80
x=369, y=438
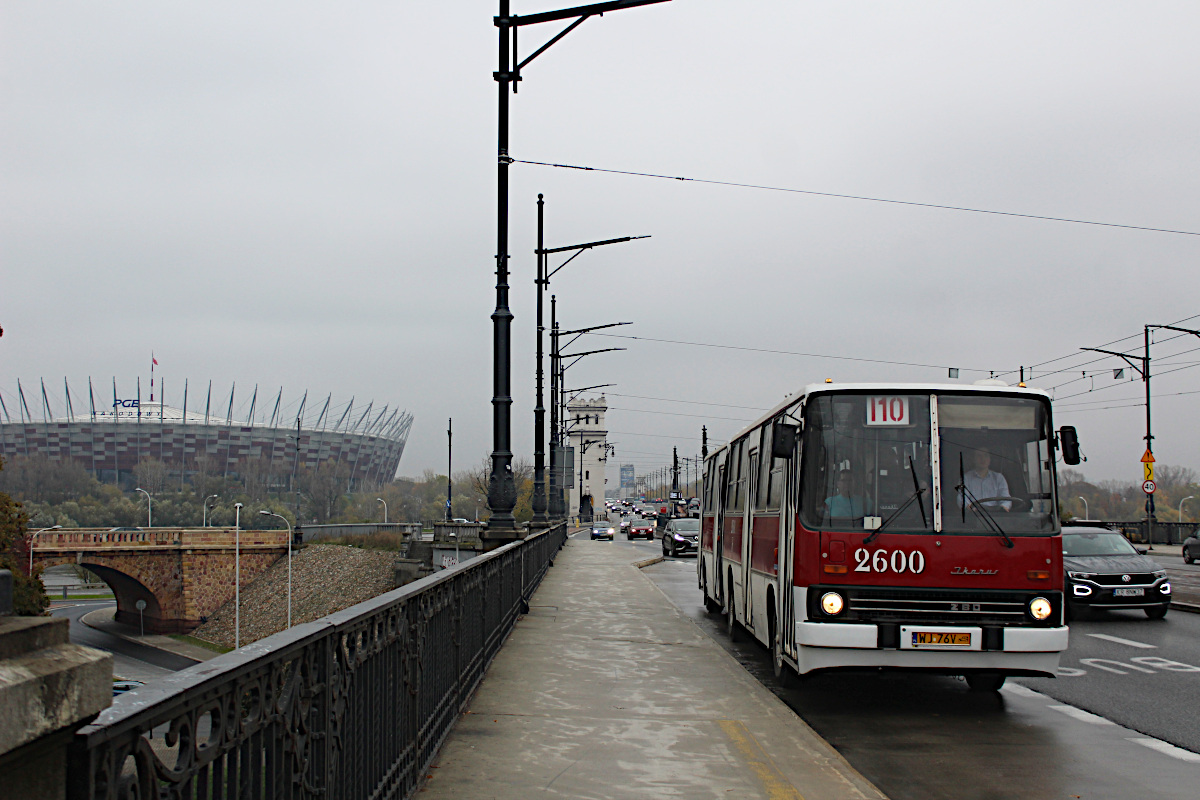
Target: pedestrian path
x=606, y=690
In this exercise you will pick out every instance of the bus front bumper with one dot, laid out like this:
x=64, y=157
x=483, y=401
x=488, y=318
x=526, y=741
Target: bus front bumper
x=1021, y=650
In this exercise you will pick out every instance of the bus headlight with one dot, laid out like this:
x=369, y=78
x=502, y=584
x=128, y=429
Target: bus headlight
x=832, y=603
x=1039, y=608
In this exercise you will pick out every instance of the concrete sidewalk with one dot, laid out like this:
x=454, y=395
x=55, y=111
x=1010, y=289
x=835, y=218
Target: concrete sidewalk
x=605, y=690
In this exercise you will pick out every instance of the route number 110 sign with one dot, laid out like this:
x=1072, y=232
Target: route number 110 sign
x=887, y=411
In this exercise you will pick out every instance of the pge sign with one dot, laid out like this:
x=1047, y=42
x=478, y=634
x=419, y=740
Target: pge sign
x=126, y=403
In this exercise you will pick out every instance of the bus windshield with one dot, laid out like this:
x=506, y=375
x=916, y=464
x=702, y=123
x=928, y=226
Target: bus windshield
x=995, y=458
x=868, y=462
x=861, y=454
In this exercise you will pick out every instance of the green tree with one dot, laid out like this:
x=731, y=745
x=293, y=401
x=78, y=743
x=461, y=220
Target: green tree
x=29, y=596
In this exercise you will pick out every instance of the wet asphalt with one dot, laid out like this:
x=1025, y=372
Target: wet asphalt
x=1090, y=734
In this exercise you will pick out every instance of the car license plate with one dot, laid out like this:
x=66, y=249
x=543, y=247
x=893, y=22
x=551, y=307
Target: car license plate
x=1128, y=592
x=940, y=639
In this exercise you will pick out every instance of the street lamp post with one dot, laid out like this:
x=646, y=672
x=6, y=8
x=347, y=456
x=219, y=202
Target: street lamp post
x=33, y=536
x=149, y=512
x=380, y=499
x=1086, y=515
x=204, y=516
x=266, y=513
x=544, y=273
x=1181, y=502
x=502, y=489
x=237, y=576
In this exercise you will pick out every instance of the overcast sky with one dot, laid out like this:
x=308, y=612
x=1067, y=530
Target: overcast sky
x=302, y=195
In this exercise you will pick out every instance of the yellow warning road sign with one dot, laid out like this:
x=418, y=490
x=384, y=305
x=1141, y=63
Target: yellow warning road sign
x=1148, y=470
x=1148, y=457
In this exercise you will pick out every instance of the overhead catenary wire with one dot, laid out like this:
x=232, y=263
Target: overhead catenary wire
x=865, y=198
x=772, y=351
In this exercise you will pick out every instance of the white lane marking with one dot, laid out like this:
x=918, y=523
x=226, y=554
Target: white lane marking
x=1082, y=716
x=1167, y=749
x=1119, y=640
x=1019, y=690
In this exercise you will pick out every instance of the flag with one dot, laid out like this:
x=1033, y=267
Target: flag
x=155, y=360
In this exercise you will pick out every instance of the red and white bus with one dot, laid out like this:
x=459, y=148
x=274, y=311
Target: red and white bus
x=899, y=526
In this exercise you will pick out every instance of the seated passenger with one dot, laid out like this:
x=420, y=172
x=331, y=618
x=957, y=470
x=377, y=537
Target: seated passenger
x=983, y=484
x=845, y=504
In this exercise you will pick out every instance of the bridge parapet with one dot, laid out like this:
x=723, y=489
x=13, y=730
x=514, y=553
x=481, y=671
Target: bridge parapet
x=102, y=538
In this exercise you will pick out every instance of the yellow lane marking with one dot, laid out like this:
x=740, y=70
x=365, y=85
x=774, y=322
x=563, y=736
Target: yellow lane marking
x=777, y=786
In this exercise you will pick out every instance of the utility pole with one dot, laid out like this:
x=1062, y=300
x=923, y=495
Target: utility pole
x=555, y=503
x=502, y=489
x=675, y=470
x=704, y=441
x=544, y=273
x=1148, y=457
x=449, y=465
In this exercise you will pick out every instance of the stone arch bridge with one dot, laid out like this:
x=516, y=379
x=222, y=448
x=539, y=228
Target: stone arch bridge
x=183, y=574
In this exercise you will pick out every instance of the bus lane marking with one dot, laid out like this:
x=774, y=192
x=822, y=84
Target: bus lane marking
x=1166, y=749
x=1119, y=640
x=1099, y=663
x=1083, y=716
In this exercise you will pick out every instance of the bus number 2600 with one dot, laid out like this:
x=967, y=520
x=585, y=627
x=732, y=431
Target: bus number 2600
x=882, y=561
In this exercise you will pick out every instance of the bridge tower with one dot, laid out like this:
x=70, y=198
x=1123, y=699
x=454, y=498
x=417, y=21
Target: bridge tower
x=588, y=434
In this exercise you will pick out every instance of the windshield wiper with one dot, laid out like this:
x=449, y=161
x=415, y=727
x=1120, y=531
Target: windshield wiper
x=916, y=495
x=966, y=497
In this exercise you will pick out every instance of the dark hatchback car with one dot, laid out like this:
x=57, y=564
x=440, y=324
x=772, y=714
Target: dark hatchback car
x=1191, y=549
x=1103, y=570
x=681, y=535
x=602, y=529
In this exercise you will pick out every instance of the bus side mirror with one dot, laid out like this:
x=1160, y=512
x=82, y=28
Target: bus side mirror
x=1068, y=440
x=783, y=440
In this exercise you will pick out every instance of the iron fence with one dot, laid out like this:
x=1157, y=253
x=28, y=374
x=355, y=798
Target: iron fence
x=1164, y=532
x=354, y=705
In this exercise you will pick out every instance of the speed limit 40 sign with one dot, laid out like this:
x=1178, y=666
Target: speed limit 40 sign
x=1148, y=487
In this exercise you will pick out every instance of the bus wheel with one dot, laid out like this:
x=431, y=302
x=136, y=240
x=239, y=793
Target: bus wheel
x=730, y=614
x=710, y=605
x=777, y=664
x=985, y=682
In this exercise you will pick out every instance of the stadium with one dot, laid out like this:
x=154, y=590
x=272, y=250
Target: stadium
x=110, y=438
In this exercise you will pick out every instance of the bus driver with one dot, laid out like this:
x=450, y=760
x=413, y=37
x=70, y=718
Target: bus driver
x=983, y=484
x=844, y=504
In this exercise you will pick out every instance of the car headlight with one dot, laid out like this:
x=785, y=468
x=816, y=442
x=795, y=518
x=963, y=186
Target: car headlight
x=610, y=530
x=832, y=603
x=1165, y=588
x=1039, y=608
x=678, y=537
x=1081, y=575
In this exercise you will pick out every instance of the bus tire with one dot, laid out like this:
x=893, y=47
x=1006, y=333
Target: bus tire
x=780, y=669
x=985, y=681
x=731, y=614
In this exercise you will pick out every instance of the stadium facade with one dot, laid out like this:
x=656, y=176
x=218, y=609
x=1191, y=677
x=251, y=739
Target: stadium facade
x=112, y=438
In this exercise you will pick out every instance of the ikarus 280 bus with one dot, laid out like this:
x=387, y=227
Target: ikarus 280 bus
x=898, y=526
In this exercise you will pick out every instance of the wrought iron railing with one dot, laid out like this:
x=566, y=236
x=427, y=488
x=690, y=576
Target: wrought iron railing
x=354, y=705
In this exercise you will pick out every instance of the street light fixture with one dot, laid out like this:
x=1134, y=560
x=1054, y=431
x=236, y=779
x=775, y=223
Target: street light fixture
x=266, y=513
x=149, y=512
x=1086, y=515
x=204, y=516
x=33, y=536
x=502, y=489
x=237, y=576
x=1181, y=502
x=380, y=499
